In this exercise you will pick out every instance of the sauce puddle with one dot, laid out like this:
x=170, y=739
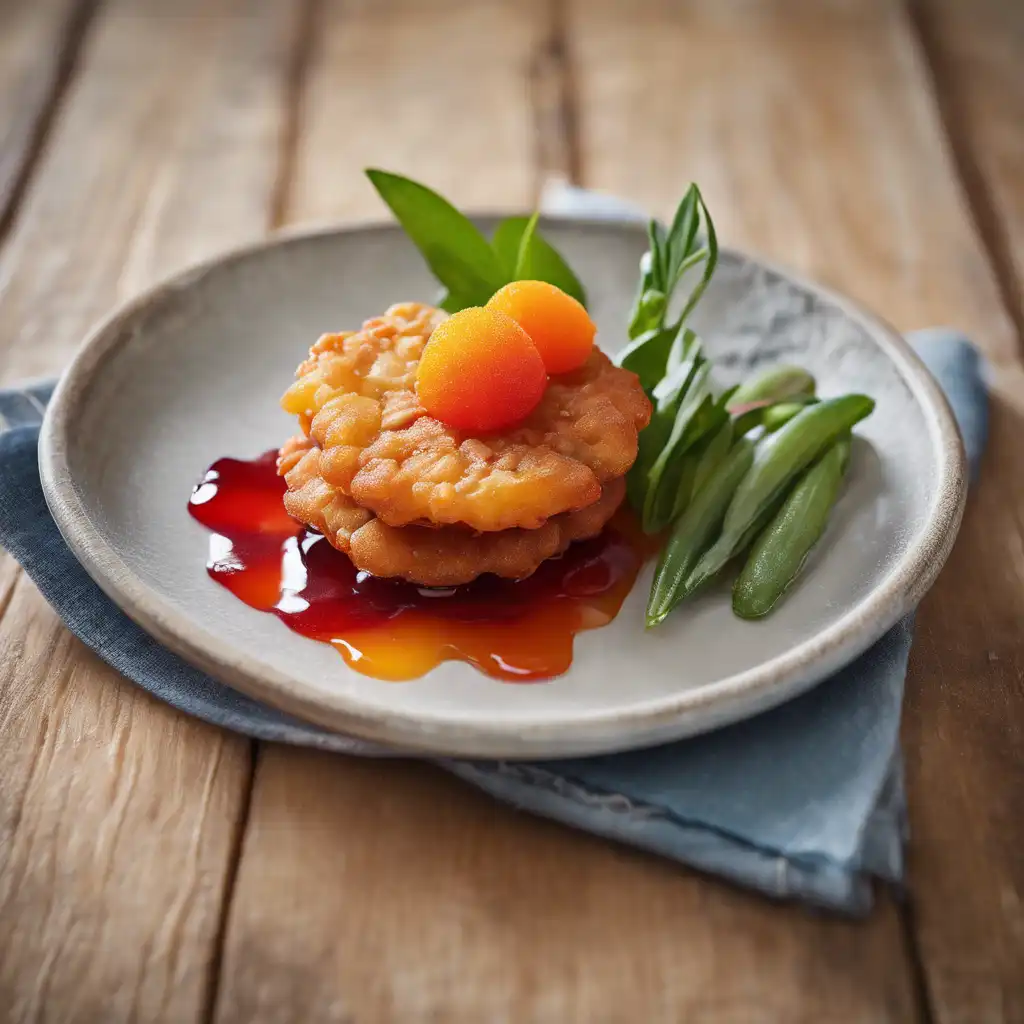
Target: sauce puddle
x=518, y=631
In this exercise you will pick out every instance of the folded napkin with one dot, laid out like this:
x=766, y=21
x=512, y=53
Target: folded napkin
x=803, y=802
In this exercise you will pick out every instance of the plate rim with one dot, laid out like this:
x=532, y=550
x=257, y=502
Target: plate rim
x=654, y=721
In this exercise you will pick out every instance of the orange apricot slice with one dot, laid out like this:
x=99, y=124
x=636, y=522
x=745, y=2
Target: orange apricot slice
x=480, y=372
x=557, y=323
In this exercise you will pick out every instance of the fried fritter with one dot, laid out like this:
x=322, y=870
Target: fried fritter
x=442, y=556
x=355, y=397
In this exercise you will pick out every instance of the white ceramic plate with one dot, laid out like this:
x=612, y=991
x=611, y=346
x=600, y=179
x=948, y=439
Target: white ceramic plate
x=193, y=370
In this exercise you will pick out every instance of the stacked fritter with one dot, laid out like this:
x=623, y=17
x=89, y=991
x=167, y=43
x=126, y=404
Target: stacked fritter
x=403, y=494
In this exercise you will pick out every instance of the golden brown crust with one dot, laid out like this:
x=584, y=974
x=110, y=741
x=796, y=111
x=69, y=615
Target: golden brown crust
x=431, y=556
x=355, y=398
x=450, y=555
x=314, y=501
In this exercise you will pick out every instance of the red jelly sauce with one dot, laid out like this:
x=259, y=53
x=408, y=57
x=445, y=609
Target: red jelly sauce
x=520, y=631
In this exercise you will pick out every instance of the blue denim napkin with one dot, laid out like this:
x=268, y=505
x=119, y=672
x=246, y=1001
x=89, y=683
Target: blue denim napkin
x=803, y=802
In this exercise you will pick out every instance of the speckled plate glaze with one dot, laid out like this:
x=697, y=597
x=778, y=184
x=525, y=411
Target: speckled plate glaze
x=193, y=370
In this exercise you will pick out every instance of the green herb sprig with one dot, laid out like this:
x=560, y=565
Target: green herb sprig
x=669, y=360
x=689, y=242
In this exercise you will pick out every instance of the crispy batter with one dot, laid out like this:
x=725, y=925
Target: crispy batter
x=431, y=556
x=355, y=398
x=314, y=501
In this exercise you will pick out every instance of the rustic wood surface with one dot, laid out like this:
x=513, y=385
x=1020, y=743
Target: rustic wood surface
x=37, y=42
x=155, y=869
x=119, y=818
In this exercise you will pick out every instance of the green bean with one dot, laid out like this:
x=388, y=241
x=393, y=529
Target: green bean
x=687, y=370
x=695, y=530
x=693, y=418
x=779, y=553
x=752, y=401
x=699, y=464
x=775, y=385
x=776, y=463
x=777, y=416
x=750, y=418
x=698, y=418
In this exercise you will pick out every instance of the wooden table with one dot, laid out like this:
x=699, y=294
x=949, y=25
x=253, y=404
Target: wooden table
x=153, y=868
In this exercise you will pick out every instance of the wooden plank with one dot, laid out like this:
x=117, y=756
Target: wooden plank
x=36, y=37
x=169, y=173
x=437, y=91
x=963, y=739
x=975, y=52
x=818, y=143
x=969, y=729
x=390, y=892
x=119, y=818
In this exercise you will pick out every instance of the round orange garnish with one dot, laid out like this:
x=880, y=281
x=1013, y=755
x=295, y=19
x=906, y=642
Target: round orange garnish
x=558, y=325
x=480, y=371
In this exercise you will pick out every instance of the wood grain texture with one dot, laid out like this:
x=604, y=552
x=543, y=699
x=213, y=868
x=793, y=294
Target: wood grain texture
x=438, y=91
x=975, y=51
x=390, y=892
x=386, y=891
x=964, y=746
x=817, y=141
x=119, y=818
x=33, y=38
x=969, y=729
x=154, y=167
x=116, y=825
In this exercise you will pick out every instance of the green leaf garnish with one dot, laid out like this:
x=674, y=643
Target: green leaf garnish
x=451, y=303
x=682, y=235
x=647, y=355
x=696, y=415
x=505, y=242
x=669, y=256
x=649, y=444
x=659, y=253
x=668, y=390
x=524, y=258
x=460, y=257
x=546, y=264
x=709, y=254
x=669, y=360
x=650, y=303
x=471, y=268
x=684, y=359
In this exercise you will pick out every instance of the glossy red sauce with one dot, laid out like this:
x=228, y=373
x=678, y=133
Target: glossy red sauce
x=519, y=631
